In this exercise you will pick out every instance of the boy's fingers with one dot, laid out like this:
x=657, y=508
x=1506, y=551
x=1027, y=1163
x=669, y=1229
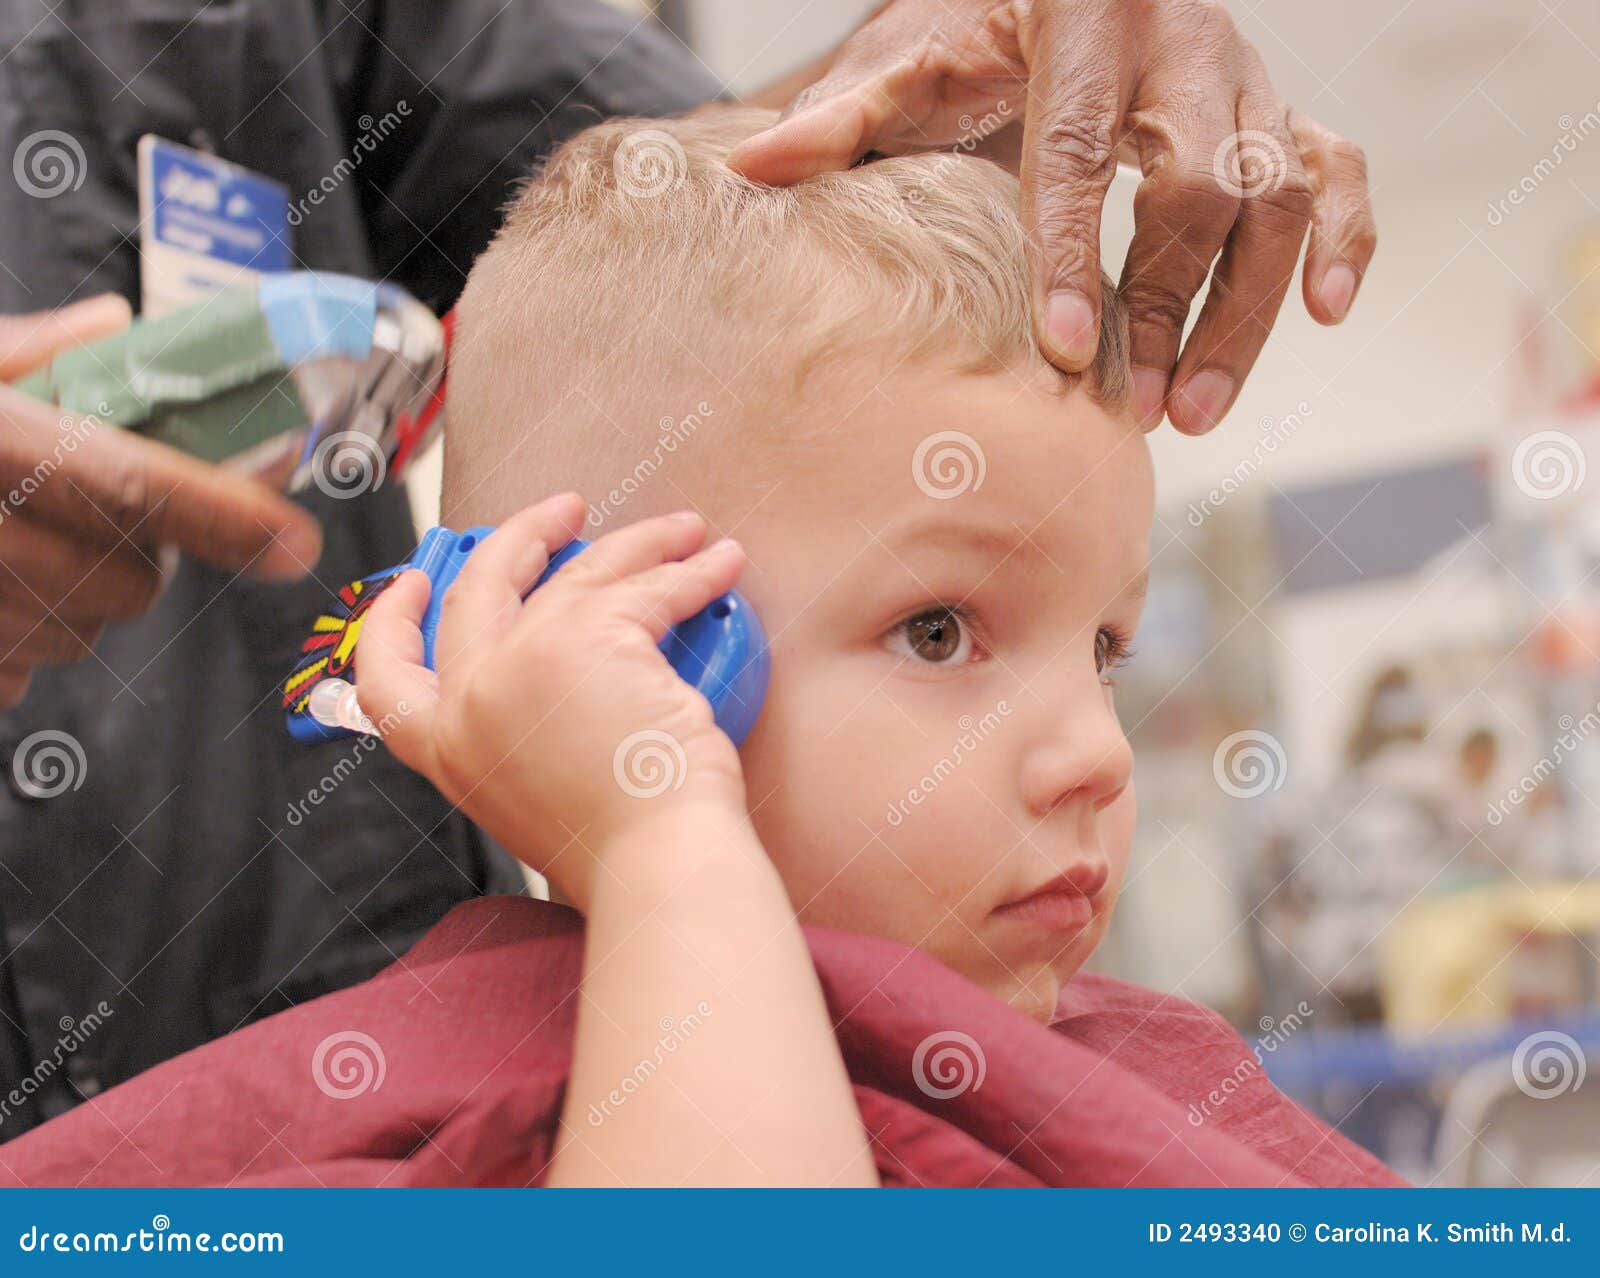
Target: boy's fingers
x=633, y=550
x=487, y=594
x=394, y=688
x=661, y=597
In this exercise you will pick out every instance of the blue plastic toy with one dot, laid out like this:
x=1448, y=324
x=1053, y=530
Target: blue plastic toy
x=721, y=650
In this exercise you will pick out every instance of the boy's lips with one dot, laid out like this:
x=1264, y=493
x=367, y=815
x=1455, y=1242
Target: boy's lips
x=1066, y=903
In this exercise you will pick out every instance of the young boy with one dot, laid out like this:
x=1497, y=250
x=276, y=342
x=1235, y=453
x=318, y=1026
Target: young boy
x=945, y=540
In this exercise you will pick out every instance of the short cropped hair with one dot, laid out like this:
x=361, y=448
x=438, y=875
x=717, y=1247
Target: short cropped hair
x=637, y=274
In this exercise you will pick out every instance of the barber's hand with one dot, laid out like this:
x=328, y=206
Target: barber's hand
x=555, y=722
x=1228, y=168
x=85, y=508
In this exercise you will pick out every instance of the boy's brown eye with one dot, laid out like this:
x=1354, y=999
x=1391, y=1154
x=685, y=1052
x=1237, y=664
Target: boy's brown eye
x=936, y=636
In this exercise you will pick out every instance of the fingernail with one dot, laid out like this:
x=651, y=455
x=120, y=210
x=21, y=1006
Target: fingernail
x=1338, y=287
x=1069, y=326
x=687, y=518
x=1203, y=399
x=1149, y=396
x=723, y=549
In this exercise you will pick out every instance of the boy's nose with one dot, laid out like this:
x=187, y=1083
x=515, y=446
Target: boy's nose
x=1080, y=754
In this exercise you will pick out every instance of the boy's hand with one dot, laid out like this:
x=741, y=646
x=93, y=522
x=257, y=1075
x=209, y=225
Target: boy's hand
x=555, y=722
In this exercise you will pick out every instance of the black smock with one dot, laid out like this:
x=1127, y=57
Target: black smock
x=172, y=886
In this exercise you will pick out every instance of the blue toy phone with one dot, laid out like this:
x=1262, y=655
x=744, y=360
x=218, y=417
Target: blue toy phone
x=721, y=650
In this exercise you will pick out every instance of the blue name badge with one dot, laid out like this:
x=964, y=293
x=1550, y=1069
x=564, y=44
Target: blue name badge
x=205, y=224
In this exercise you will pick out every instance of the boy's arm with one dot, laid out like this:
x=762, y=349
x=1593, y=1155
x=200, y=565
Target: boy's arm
x=705, y=1054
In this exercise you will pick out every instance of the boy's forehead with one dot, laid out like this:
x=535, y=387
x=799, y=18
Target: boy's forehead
x=985, y=458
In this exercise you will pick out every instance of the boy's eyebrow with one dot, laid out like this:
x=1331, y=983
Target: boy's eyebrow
x=996, y=543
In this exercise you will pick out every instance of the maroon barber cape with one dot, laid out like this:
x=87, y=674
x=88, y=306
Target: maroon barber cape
x=449, y=1068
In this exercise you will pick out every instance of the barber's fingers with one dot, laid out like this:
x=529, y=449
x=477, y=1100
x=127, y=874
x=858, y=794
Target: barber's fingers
x=395, y=690
x=872, y=91
x=1077, y=99
x=27, y=341
x=486, y=596
x=1183, y=214
x=96, y=482
x=660, y=597
x=1343, y=234
x=1253, y=274
x=76, y=579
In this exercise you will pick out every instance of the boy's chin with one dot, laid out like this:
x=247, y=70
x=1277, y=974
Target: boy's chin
x=1036, y=996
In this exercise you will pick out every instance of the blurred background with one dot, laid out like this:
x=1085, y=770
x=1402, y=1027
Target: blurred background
x=1366, y=703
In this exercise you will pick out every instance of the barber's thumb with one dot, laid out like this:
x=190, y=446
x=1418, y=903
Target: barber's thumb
x=27, y=341
x=823, y=132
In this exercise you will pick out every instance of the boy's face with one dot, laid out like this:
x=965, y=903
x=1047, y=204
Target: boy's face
x=945, y=580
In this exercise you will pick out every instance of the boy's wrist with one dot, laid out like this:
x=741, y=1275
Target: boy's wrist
x=652, y=858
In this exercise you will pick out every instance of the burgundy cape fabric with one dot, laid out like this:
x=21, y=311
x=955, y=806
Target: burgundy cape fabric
x=457, y=1057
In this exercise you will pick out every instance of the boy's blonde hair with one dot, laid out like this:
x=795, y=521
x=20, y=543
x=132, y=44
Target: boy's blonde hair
x=637, y=276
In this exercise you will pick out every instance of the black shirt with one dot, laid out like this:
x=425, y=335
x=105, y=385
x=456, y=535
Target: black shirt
x=172, y=896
